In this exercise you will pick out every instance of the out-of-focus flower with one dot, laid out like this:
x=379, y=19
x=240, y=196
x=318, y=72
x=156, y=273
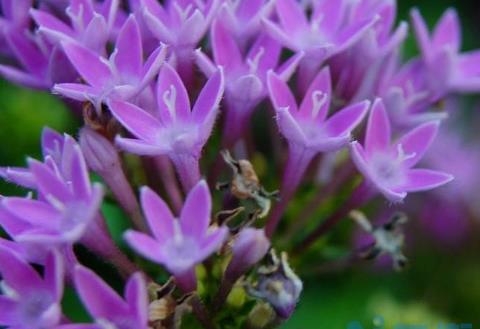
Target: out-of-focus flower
x=179, y=244
x=28, y=300
x=108, y=308
x=320, y=37
x=15, y=19
x=176, y=130
x=447, y=70
x=91, y=24
x=245, y=77
x=181, y=25
x=389, y=167
x=122, y=76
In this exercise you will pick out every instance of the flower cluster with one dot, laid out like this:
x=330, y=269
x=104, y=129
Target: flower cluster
x=344, y=103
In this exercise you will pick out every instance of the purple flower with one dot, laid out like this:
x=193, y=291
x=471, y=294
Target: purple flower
x=122, y=76
x=320, y=37
x=447, y=69
x=88, y=27
x=15, y=19
x=245, y=77
x=179, y=244
x=67, y=202
x=28, y=300
x=174, y=129
x=307, y=129
x=108, y=308
x=244, y=18
x=181, y=25
x=389, y=167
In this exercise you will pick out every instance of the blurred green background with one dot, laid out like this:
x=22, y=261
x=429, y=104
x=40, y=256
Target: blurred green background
x=441, y=285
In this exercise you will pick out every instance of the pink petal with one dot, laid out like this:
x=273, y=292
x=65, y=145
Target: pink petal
x=28, y=53
x=196, y=212
x=32, y=211
x=19, y=275
x=137, y=297
x=159, y=217
x=152, y=65
x=291, y=15
x=425, y=179
x=77, y=91
x=88, y=64
x=421, y=33
x=169, y=84
x=268, y=51
x=289, y=127
x=24, y=79
x=378, y=129
x=145, y=246
x=100, y=300
x=8, y=315
x=139, y=147
x=54, y=274
x=212, y=243
x=417, y=141
x=345, y=120
x=50, y=24
x=48, y=182
x=79, y=174
x=280, y=94
x=284, y=37
x=322, y=83
x=331, y=14
x=225, y=51
x=448, y=31
x=140, y=123
x=129, y=56
x=209, y=98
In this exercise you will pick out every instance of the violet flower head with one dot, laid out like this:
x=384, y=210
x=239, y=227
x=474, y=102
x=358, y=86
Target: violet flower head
x=90, y=25
x=447, y=70
x=179, y=244
x=389, y=167
x=122, y=76
x=27, y=299
x=67, y=202
x=15, y=19
x=108, y=308
x=174, y=129
x=245, y=76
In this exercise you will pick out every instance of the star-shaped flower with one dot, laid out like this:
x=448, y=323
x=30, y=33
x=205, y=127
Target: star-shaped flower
x=389, y=167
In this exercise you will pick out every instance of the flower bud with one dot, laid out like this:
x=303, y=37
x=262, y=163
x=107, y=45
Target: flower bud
x=249, y=248
x=99, y=152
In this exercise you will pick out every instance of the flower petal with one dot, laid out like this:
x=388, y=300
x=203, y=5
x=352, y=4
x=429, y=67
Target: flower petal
x=159, y=217
x=209, y=98
x=378, y=132
x=100, y=299
x=196, y=212
x=212, y=243
x=416, y=142
x=424, y=179
x=172, y=97
x=225, y=50
x=32, y=211
x=280, y=94
x=291, y=15
x=345, y=120
x=77, y=92
x=290, y=128
x=321, y=86
x=137, y=297
x=139, y=147
x=129, y=54
x=140, y=123
x=421, y=33
x=447, y=32
x=146, y=246
x=8, y=315
x=88, y=64
x=18, y=274
x=54, y=274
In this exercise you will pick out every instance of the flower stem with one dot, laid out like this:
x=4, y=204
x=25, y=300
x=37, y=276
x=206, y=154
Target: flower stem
x=297, y=164
x=361, y=195
x=167, y=174
x=188, y=170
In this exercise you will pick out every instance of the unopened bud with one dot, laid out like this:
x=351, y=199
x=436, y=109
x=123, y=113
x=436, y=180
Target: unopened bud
x=99, y=152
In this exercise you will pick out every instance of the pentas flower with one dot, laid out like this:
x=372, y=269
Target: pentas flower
x=122, y=76
x=108, y=308
x=66, y=206
x=15, y=19
x=320, y=37
x=447, y=69
x=27, y=299
x=307, y=129
x=90, y=25
x=389, y=166
x=39, y=64
x=244, y=18
x=245, y=76
x=179, y=244
x=181, y=25
x=175, y=130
